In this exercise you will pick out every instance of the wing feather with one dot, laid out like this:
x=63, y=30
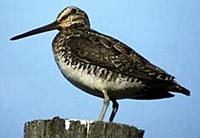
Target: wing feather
x=95, y=48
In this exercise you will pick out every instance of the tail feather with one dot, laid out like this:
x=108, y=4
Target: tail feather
x=159, y=90
x=175, y=87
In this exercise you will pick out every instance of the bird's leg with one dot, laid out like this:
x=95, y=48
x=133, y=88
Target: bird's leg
x=105, y=106
x=115, y=107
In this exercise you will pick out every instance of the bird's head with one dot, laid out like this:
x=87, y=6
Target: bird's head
x=69, y=17
x=72, y=16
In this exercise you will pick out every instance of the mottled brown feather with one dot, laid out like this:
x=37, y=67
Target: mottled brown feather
x=95, y=48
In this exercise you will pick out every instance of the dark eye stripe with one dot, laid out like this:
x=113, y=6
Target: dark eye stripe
x=64, y=17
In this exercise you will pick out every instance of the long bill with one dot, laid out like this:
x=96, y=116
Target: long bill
x=48, y=27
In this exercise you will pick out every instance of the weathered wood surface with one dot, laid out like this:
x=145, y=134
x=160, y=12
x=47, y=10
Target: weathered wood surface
x=60, y=128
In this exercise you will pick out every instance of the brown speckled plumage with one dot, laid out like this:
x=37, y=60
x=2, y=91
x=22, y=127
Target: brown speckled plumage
x=103, y=66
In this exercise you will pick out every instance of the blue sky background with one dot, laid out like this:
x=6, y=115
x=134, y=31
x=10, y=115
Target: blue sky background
x=165, y=32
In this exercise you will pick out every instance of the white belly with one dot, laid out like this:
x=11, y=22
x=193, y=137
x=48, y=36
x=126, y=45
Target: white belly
x=93, y=84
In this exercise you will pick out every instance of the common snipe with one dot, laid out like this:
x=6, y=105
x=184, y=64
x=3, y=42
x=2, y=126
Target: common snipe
x=103, y=66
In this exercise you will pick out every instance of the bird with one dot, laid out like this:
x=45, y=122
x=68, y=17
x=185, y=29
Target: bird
x=103, y=66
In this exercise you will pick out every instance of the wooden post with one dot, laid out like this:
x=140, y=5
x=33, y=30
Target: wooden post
x=60, y=128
